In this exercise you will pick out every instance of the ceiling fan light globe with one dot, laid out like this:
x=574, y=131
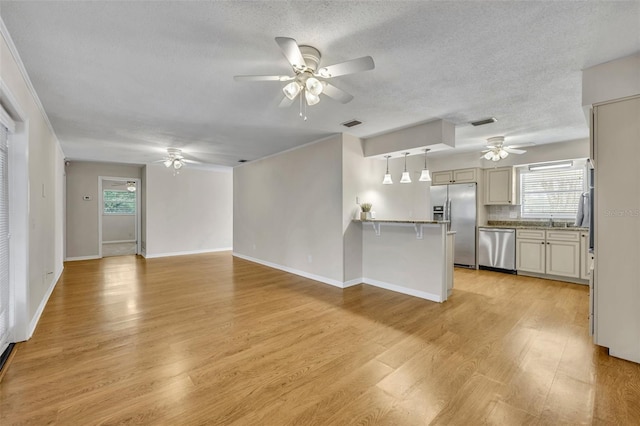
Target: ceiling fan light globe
x=311, y=98
x=503, y=153
x=291, y=90
x=488, y=155
x=177, y=164
x=314, y=86
x=495, y=157
x=425, y=176
x=168, y=162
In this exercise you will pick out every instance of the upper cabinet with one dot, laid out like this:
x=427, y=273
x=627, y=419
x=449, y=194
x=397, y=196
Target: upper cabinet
x=499, y=186
x=447, y=177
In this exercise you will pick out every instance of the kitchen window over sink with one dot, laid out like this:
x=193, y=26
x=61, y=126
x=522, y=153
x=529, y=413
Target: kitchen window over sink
x=551, y=192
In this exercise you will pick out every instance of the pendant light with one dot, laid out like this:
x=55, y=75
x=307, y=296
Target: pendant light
x=405, y=175
x=425, y=176
x=387, y=176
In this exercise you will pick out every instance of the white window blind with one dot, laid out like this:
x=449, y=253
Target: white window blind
x=119, y=202
x=547, y=193
x=4, y=241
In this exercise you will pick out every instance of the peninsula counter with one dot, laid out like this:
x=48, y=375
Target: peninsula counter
x=413, y=257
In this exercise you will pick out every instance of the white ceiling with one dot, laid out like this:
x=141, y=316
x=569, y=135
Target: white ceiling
x=122, y=81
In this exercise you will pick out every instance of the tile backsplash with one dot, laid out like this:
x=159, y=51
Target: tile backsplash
x=503, y=212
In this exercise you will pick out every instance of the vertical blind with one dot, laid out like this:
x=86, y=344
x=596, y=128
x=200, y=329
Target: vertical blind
x=551, y=192
x=4, y=240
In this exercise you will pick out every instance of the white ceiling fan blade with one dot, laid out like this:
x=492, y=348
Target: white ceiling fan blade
x=335, y=93
x=292, y=52
x=348, y=67
x=262, y=78
x=513, y=150
x=286, y=102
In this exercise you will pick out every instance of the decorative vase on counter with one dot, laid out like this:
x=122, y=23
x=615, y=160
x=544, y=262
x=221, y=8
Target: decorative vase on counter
x=365, y=216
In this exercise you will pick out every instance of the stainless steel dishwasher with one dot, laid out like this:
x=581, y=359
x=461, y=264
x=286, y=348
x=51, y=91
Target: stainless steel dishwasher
x=497, y=249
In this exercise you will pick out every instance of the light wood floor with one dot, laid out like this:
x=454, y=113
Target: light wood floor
x=209, y=339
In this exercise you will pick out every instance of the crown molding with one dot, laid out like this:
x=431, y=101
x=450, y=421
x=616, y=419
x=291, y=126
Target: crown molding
x=16, y=57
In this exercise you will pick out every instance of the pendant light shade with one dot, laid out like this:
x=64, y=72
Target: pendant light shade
x=405, y=175
x=387, y=176
x=425, y=176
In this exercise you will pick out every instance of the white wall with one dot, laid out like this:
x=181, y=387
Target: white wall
x=288, y=210
x=353, y=185
x=400, y=200
x=118, y=227
x=187, y=213
x=82, y=216
x=36, y=192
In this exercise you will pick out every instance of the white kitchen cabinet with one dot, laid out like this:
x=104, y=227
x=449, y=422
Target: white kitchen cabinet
x=548, y=252
x=617, y=227
x=585, y=256
x=446, y=177
x=563, y=257
x=530, y=251
x=499, y=186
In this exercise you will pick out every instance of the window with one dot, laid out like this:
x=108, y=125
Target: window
x=119, y=202
x=546, y=193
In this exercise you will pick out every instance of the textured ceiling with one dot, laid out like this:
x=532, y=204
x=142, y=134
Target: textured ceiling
x=122, y=81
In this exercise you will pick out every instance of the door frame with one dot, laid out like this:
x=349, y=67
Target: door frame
x=138, y=220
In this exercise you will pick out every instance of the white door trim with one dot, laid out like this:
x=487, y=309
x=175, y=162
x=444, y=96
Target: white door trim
x=138, y=215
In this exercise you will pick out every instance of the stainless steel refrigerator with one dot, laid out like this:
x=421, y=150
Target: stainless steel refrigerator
x=457, y=204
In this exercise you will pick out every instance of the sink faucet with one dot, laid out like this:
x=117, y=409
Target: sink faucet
x=551, y=222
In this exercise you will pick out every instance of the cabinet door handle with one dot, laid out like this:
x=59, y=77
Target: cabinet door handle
x=548, y=243
x=542, y=242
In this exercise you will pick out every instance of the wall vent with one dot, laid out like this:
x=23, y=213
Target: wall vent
x=351, y=123
x=484, y=121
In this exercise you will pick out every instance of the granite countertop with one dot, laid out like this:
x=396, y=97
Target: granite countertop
x=426, y=222
x=558, y=226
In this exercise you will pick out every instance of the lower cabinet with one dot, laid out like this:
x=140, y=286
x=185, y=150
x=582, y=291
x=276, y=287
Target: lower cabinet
x=549, y=252
x=530, y=255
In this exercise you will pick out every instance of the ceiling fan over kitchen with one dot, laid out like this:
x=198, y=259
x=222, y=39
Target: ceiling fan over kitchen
x=309, y=81
x=496, y=150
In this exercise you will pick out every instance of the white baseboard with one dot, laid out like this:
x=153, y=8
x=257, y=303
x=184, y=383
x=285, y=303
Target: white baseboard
x=43, y=303
x=184, y=253
x=73, y=259
x=403, y=290
x=320, y=278
x=351, y=283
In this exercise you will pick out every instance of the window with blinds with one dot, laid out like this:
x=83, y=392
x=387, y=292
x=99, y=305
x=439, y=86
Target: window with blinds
x=551, y=193
x=119, y=202
x=4, y=241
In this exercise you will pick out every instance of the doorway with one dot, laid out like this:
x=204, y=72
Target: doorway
x=119, y=216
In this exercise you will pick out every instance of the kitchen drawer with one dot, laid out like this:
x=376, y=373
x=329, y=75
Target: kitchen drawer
x=532, y=234
x=563, y=235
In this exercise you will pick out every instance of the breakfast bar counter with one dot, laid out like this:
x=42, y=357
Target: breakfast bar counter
x=413, y=257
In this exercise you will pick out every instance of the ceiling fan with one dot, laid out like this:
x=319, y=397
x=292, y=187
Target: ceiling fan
x=496, y=150
x=175, y=160
x=309, y=81
x=130, y=185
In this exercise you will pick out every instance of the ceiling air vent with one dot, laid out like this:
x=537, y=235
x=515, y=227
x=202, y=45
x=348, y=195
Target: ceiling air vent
x=484, y=121
x=351, y=123
x=242, y=161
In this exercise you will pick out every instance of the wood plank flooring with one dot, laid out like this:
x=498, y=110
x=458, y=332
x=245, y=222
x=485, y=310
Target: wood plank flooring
x=210, y=339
